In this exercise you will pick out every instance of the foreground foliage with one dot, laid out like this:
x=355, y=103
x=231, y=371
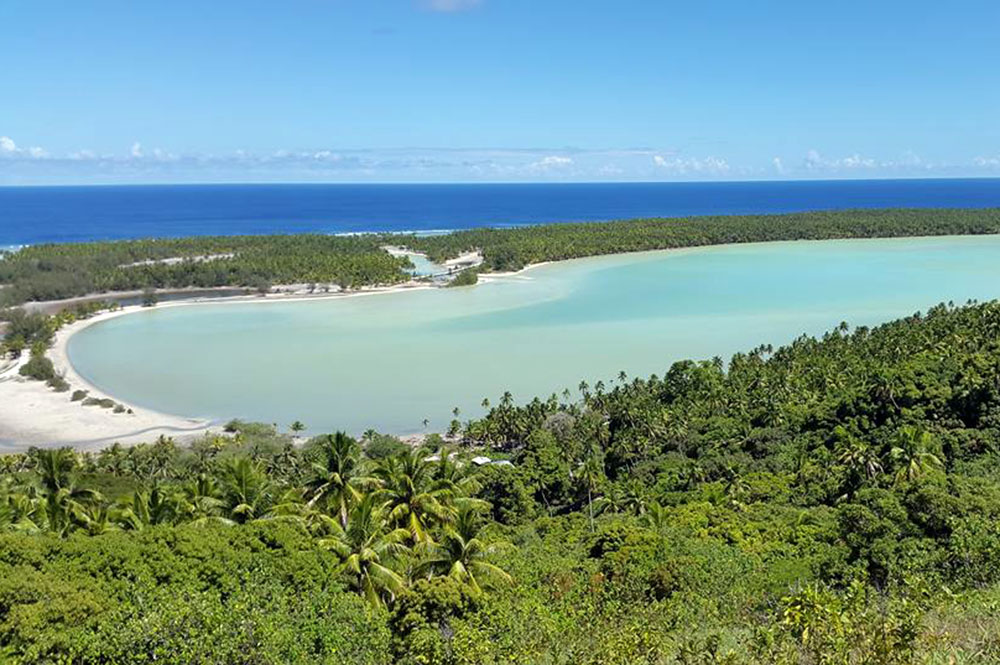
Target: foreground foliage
x=833, y=501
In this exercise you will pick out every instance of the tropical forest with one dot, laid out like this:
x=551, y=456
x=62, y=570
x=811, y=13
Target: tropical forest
x=835, y=500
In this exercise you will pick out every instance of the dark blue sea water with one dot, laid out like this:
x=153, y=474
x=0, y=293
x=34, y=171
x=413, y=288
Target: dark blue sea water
x=31, y=215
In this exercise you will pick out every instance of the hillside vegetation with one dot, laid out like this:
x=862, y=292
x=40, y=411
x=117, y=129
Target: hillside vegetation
x=836, y=501
x=54, y=271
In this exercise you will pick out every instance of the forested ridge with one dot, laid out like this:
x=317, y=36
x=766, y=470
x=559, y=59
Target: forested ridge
x=54, y=271
x=836, y=500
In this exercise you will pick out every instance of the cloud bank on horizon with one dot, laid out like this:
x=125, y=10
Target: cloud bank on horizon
x=137, y=163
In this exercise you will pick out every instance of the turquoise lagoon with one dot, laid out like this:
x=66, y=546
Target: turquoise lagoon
x=389, y=361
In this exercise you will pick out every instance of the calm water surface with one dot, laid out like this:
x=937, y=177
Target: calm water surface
x=389, y=361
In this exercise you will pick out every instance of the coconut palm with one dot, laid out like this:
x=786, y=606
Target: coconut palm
x=860, y=458
x=463, y=555
x=590, y=472
x=54, y=467
x=338, y=479
x=367, y=547
x=246, y=490
x=656, y=517
x=65, y=500
x=911, y=455
x=293, y=507
x=414, y=499
x=147, y=508
x=200, y=501
x=20, y=507
x=94, y=519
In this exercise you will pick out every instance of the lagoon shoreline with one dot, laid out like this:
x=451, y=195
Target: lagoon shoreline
x=31, y=414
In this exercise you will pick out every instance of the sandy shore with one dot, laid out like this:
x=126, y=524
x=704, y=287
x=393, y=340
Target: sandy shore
x=32, y=414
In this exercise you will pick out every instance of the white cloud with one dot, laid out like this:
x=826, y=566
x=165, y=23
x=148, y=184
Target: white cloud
x=8, y=148
x=908, y=162
x=556, y=160
x=137, y=163
x=450, y=5
x=692, y=166
x=814, y=161
x=550, y=163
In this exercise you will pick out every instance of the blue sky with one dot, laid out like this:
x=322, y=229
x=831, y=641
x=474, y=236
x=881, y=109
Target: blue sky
x=496, y=90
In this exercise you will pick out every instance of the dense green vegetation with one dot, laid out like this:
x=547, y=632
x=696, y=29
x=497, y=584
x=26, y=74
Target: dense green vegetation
x=53, y=271
x=512, y=249
x=467, y=277
x=833, y=501
x=46, y=272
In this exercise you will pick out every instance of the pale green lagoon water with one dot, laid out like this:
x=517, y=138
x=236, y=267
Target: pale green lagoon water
x=389, y=361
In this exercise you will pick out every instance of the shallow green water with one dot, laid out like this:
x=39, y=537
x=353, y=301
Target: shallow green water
x=389, y=361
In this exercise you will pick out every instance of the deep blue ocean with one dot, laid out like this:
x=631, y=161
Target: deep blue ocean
x=31, y=215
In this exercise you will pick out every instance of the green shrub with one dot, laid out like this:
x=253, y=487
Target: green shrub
x=467, y=277
x=58, y=383
x=38, y=368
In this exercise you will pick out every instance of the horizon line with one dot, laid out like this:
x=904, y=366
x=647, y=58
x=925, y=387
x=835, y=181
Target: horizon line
x=413, y=183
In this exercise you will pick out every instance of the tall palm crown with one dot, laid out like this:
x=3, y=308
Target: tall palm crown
x=911, y=454
x=247, y=492
x=366, y=547
x=65, y=501
x=463, y=555
x=414, y=499
x=339, y=477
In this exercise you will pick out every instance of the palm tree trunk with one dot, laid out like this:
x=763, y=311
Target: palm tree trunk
x=590, y=507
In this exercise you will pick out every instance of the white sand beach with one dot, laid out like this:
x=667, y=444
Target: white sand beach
x=32, y=414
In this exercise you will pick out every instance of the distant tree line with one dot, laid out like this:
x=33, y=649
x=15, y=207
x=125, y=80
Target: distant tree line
x=53, y=271
x=514, y=248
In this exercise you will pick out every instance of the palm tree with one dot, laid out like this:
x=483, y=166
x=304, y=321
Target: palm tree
x=20, y=508
x=297, y=427
x=246, y=490
x=590, y=473
x=54, y=467
x=65, y=501
x=463, y=555
x=656, y=516
x=911, y=455
x=367, y=547
x=338, y=479
x=293, y=507
x=200, y=501
x=414, y=500
x=860, y=458
x=459, y=478
x=94, y=519
x=147, y=509
x=113, y=459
